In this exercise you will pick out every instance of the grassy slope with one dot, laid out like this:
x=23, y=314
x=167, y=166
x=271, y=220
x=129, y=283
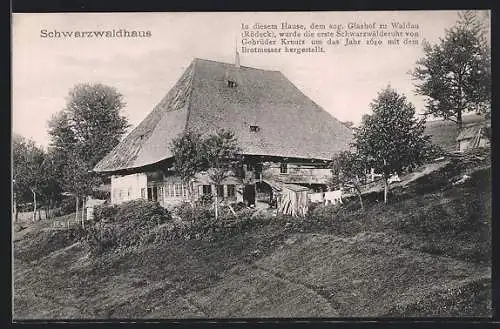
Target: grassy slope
x=445, y=133
x=401, y=262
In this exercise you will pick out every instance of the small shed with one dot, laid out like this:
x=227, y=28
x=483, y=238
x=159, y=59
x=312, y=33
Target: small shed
x=472, y=137
x=90, y=204
x=292, y=199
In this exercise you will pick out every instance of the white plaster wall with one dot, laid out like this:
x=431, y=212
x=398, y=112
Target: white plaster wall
x=127, y=184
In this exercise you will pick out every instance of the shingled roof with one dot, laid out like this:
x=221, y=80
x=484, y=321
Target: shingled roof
x=289, y=123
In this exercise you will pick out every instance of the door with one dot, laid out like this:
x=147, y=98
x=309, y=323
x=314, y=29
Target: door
x=249, y=195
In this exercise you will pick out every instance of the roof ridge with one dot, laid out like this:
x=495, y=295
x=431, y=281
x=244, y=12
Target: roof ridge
x=232, y=64
x=188, y=100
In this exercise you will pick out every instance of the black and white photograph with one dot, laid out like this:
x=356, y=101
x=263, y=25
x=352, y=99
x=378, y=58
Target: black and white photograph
x=251, y=165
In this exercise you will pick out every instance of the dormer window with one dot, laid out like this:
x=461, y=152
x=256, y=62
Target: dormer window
x=283, y=168
x=254, y=129
x=231, y=84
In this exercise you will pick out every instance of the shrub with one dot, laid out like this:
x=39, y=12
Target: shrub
x=101, y=195
x=191, y=214
x=105, y=212
x=206, y=199
x=68, y=206
x=124, y=225
x=202, y=224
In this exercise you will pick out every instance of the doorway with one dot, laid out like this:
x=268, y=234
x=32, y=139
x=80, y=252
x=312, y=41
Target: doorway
x=249, y=195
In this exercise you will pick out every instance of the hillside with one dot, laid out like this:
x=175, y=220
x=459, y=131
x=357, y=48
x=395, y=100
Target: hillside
x=426, y=253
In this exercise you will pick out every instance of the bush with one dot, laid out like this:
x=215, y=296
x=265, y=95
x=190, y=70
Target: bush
x=206, y=199
x=190, y=214
x=450, y=218
x=202, y=224
x=68, y=206
x=124, y=225
x=101, y=195
x=105, y=212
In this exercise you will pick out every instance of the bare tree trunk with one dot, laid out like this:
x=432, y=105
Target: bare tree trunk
x=216, y=206
x=83, y=213
x=459, y=118
x=34, y=205
x=191, y=192
x=49, y=204
x=386, y=189
x=361, y=200
x=77, y=200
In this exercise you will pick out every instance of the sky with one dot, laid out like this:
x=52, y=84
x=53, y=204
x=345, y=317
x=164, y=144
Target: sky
x=343, y=80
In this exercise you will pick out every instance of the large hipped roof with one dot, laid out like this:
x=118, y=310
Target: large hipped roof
x=289, y=123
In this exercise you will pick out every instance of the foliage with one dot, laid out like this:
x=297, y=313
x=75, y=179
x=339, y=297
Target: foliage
x=392, y=138
x=83, y=133
x=67, y=206
x=191, y=214
x=33, y=173
x=124, y=225
x=187, y=151
x=226, y=225
x=221, y=154
x=28, y=161
x=217, y=154
x=348, y=169
x=455, y=74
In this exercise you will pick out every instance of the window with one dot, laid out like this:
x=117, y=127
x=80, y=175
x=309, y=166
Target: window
x=184, y=191
x=254, y=129
x=220, y=191
x=258, y=171
x=230, y=191
x=172, y=190
x=178, y=191
x=283, y=168
x=160, y=193
x=155, y=193
x=143, y=193
x=231, y=83
x=150, y=194
x=207, y=189
x=129, y=193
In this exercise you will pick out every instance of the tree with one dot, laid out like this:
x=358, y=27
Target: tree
x=392, y=138
x=88, y=128
x=53, y=188
x=348, y=124
x=348, y=168
x=28, y=174
x=221, y=152
x=455, y=74
x=217, y=154
x=187, y=151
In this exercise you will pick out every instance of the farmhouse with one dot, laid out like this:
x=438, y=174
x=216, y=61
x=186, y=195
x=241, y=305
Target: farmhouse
x=285, y=137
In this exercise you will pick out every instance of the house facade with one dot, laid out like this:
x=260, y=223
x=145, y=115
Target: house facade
x=284, y=136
